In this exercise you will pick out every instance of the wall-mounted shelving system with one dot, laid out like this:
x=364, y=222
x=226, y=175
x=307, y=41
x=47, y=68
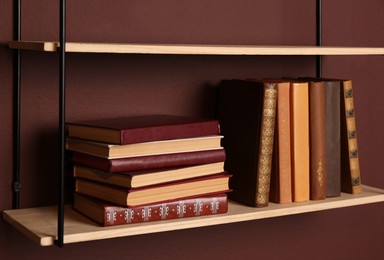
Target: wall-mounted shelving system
x=40, y=224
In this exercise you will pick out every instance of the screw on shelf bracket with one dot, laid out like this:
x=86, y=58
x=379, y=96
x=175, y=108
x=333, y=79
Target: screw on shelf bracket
x=16, y=186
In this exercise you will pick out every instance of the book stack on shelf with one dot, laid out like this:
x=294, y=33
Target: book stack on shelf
x=289, y=140
x=146, y=168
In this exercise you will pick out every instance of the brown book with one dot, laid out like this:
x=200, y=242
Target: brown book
x=300, y=141
x=140, y=129
x=106, y=214
x=281, y=186
x=247, y=111
x=350, y=167
x=332, y=133
x=217, y=183
x=135, y=179
x=318, y=164
x=150, y=161
x=111, y=151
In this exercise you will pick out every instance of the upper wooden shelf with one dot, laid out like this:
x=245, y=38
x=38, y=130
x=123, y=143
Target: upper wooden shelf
x=194, y=49
x=40, y=224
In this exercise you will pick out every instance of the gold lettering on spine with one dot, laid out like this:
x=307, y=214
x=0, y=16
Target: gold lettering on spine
x=266, y=147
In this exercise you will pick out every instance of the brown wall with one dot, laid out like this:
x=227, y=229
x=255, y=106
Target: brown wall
x=101, y=85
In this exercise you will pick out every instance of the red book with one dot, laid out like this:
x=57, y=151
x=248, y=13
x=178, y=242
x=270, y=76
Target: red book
x=150, y=161
x=140, y=129
x=106, y=214
x=202, y=186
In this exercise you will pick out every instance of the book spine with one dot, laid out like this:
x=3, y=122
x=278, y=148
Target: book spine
x=150, y=161
x=351, y=180
x=281, y=191
x=300, y=142
x=332, y=129
x=318, y=166
x=266, y=144
x=201, y=206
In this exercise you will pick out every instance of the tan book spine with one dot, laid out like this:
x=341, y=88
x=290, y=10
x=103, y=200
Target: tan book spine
x=350, y=177
x=281, y=185
x=300, y=141
x=318, y=166
x=266, y=144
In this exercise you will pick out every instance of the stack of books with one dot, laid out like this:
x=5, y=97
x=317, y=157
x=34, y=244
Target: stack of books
x=289, y=140
x=146, y=168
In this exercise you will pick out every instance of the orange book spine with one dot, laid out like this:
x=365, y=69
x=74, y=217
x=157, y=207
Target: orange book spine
x=300, y=141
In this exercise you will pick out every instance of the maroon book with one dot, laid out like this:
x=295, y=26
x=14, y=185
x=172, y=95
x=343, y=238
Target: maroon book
x=106, y=214
x=139, y=129
x=149, y=162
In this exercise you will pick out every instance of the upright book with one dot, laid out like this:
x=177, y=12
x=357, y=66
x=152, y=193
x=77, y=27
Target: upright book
x=300, y=141
x=281, y=187
x=247, y=110
x=350, y=170
x=318, y=164
x=107, y=214
x=139, y=129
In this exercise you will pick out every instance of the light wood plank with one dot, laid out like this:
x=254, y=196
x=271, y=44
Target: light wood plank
x=40, y=224
x=194, y=49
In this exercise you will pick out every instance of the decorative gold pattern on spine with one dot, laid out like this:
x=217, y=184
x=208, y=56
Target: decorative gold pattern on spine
x=352, y=138
x=266, y=145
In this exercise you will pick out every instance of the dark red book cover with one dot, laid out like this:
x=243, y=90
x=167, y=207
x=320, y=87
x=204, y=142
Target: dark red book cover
x=139, y=129
x=106, y=214
x=149, y=162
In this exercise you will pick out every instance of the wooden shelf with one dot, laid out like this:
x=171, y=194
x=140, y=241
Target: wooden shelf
x=40, y=224
x=189, y=49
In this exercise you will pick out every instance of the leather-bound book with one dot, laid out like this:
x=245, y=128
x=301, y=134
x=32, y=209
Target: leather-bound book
x=350, y=167
x=281, y=186
x=247, y=110
x=300, y=141
x=135, y=179
x=150, y=161
x=318, y=164
x=217, y=183
x=107, y=214
x=139, y=129
x=332, y=129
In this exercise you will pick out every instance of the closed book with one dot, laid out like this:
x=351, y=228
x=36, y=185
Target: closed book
x=350, y=166
x=139, y=129
x=107, y=214
x=332, y=133
x=318, y=164
x=247, y=111
x=281, y=187
x=149, y=161
x=143, y=149
x=135, y=179
x=217, y=183
x=300, y=141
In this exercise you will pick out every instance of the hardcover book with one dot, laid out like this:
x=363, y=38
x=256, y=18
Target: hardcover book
x=281, y=185
x=350, y=170
x=247, y=111
x=140, y=129
x=217, y=183
x=300, y=141
x=106, y=214
x=135, y=179
x=111, y=151
x=150, y=161
x=318, y=164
